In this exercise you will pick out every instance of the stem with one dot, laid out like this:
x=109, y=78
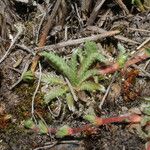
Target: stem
x=89, y=128
x=132, y=118
x=130, y=62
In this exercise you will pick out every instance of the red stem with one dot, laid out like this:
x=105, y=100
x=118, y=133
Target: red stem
x=131, y=118
x=81, y=129
x=115, y=67
x=100, y=121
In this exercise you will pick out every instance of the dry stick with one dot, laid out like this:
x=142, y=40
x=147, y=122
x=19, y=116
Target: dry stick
x=123, y=6
x=145, y=42
x=103, y=18
x=118, y=37
x=46, y=146
x=58, y=110
x=147, y=63
x=140, y=30
x=78, y=41
x=85, y=5
x=71, y=89
x=35, y=92
x=20, y=79
x=45, y=32
x=143, y=70
x=107, y=91
x=23, y=47
x=20, y=30
x=95, y=11
x=49, y=24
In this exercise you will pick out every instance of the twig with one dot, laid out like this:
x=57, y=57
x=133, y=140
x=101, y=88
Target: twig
x=147, y=63
x=102, y=19
x=146, y=41
x=140, y=30
x=78, y=15
x=20, y=79
x=59, y=109
x=71, y=89
x=78, y=41
x=39, y=27
x=143, y=70
x=107, y=91
x=46, y=146
x=14, y=69
x=20, y=30
x=49, y=145
x=95, y=11
x=45, y=32
x=123, y=6
x=49, y=24
x=23, y=47
x=118, y=37
x=36, y=90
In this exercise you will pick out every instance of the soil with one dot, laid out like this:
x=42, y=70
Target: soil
x=17, y=102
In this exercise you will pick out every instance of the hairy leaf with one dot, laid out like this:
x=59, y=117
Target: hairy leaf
x=42, y=127
x=148, y=51
x=63, y=131
x=122, y=58
x=29, y=124
x=73, y=63
x=28, y=76
x=88, y=74
x=55, y=92
x=60, y=64
x=52, y=79
x=90, y=47
x=70, y=102
x=87, y=62
x=91, y=86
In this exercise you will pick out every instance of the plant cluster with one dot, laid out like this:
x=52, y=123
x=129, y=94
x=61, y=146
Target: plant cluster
x=77, y=74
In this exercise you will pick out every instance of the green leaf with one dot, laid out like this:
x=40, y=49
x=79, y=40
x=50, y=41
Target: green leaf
x=122, y=58
x=60, y=65
x=90, y=47
x=63, y=131
x=92, y=87
x=139, y=4
x=91, y=55
x=70, y=102
x=73, y=62
x=55, y=92
x=121, y=48
x=80, y=55
x=88, y=74
x=87, y=62
x=148, y=51
x=42, y=127
x=90, y=118
x=28, y=76
x=29, y=124
x=52, y=79
x=145, y=120
x=146, y=111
